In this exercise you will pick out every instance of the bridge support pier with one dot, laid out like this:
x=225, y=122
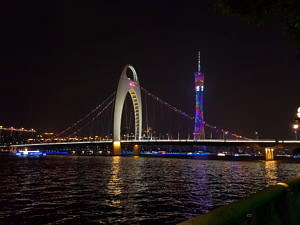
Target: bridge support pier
x=136, y=149
x=117, y=148
x=269, y=153
x=13, y=149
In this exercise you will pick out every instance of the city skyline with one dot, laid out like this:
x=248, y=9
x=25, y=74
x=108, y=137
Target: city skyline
x=53, y=60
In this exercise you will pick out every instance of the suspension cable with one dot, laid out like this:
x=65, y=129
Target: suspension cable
x=187, y=115
x=86, y=116
x=167, y=104
x=96, y=116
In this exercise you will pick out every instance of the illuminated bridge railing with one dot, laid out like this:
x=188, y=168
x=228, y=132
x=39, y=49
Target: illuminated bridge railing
x=276, y=205
x=174, y=142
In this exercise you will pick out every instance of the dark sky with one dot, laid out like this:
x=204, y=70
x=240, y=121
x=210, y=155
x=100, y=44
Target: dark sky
x=59, y=59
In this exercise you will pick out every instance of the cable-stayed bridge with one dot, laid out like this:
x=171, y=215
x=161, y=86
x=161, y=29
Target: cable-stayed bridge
x=146, y=120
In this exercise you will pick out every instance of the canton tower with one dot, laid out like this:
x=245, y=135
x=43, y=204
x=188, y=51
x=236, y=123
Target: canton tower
x=199, y=132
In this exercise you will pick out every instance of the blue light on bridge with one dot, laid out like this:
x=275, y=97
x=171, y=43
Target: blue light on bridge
x=175, y=153
x=237, y=155
x=127, y=153
x=57, y=153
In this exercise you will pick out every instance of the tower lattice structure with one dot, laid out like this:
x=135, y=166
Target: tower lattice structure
x=199, y=131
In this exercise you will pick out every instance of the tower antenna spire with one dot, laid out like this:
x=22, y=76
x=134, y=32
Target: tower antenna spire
x=199, y=63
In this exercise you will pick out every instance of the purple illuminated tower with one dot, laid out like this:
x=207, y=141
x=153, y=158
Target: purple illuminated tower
x=199, y=132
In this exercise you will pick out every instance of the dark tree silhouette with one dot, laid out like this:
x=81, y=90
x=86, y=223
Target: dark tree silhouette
x=259, y=12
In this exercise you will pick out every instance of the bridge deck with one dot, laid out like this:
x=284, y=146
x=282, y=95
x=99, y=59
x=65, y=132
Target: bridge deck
x=208, y=142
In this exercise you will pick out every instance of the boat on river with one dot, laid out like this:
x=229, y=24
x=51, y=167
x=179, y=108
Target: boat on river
x=26, y=153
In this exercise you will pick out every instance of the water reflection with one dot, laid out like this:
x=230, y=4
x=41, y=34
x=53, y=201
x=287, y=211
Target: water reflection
x=271, y=168
x=204, y=196
x=115, y=183
x=126, y=190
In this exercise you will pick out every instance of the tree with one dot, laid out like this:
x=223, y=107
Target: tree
x=259, y=12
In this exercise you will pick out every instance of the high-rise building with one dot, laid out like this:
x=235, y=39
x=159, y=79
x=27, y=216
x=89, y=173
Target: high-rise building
x=199, y=131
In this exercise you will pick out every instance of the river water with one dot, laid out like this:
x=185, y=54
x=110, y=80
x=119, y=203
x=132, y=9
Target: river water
x=126, y=190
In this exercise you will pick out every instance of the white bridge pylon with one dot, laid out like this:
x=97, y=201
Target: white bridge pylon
x=132, y=86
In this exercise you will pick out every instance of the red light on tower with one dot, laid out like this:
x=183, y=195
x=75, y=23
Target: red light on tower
x=132, y=84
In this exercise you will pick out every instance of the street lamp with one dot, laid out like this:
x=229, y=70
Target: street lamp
x=225, y=135
x=298, y=112
x=256, y=135
x=296, y=123
x=295, y=127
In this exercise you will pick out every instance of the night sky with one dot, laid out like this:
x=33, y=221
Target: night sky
x=60, y=59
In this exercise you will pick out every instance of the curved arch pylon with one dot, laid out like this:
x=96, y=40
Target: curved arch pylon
x=131, y=86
